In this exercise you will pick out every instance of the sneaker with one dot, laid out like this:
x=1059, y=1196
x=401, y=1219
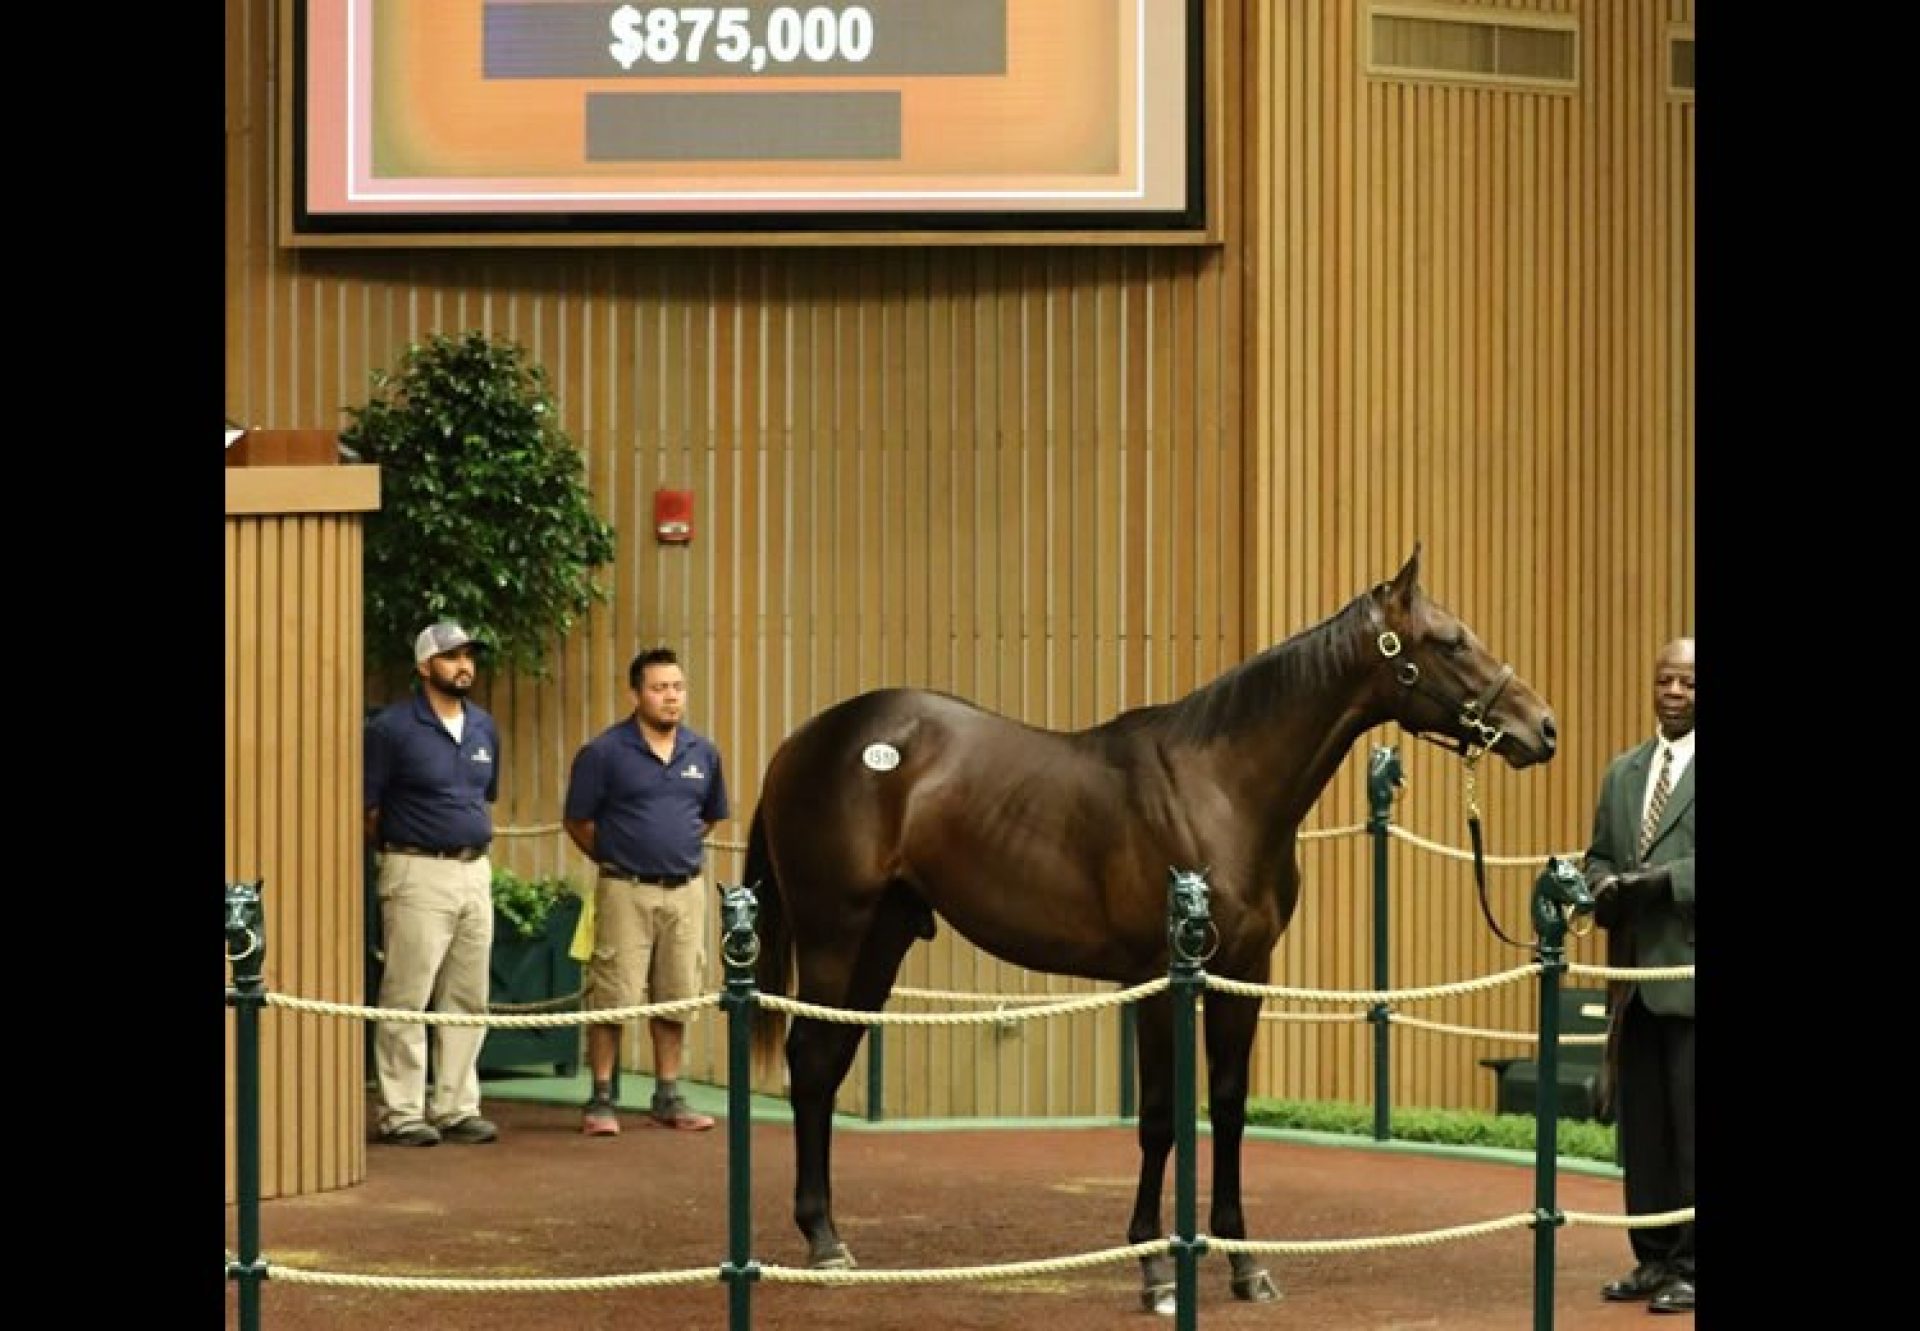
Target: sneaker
x=599, y=1120
x=674, y=1113
x=411, y=1134
x=472, y=1129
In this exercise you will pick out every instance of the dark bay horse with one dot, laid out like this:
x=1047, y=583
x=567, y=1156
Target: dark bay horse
x=1052, y=850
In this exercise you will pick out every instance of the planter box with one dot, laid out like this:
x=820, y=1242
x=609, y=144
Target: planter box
x=532, y=976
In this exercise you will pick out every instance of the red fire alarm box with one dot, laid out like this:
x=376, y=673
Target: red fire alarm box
x=673, y=516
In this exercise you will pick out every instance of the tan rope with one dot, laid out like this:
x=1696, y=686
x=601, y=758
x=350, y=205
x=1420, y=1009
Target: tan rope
x=1034, y=1006
x=1246, y=990
x=291, y=1275
x=1518, y=1220
x=951, y=1275
x=1526, y=1037
x=775, y=1274
x=1328, y=833
x=1648, y=1221
x=1031, y=1006
x=1497, y=861
x=1632, y=972
x=846, y=1017
x=1039, y=1007
x=598, y=1016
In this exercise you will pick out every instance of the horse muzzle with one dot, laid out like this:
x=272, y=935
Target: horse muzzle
x=1529, y=745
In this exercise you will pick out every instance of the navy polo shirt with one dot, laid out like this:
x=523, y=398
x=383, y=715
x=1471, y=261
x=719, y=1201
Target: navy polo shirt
x=432, y=792
x=649, y=818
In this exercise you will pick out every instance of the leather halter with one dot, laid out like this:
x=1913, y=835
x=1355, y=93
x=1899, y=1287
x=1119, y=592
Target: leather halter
x=1471, y=717
x=1473, y=711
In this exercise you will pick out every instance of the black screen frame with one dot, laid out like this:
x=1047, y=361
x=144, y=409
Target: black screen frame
x=1196, y=223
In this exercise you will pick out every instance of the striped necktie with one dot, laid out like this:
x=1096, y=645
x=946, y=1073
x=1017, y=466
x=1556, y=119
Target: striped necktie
x=1662, y=787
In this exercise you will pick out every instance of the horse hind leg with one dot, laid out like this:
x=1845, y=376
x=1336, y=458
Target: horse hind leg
x=819, y=1055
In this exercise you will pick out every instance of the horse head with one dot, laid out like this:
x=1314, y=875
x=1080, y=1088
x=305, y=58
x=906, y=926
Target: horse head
x=1438, y=679
x=1190, y=932
x=739, y=913
x=1560, y=894
x=243, y=920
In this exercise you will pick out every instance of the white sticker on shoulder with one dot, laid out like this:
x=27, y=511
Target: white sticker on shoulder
x=881, y=757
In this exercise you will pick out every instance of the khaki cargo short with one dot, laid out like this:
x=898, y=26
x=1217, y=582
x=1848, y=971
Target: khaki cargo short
x=649, y=944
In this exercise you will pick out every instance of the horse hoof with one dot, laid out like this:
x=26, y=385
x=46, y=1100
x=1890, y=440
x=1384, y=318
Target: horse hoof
x=1255, y=1287
x=1158, y=1299
x=836, y=1258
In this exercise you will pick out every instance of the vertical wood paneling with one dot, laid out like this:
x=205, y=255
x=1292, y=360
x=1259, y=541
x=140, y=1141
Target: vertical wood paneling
x=1067, y=480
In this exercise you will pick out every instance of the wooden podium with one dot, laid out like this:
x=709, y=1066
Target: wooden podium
x=295, y=700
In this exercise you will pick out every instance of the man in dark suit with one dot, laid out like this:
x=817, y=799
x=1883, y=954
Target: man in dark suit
x=1640, y=868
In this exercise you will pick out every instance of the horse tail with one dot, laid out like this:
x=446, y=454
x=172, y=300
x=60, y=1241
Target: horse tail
x=773, y=970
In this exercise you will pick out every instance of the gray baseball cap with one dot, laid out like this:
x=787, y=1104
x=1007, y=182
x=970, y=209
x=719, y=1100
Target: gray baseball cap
x=434, y=639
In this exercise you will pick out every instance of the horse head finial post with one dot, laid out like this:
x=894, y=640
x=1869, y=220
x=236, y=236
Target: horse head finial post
x=739, y=943
x=246, y=932
x=1384, y=779
x=1190, y=923
x=1560, y=895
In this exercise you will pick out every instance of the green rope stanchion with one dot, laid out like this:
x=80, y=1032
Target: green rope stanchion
x=1190, y=940
x=246, y=953
x=739, y=949
x=1559, y=892
x=1383, y=779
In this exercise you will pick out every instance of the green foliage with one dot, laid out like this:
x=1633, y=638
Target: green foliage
x=525, y=903
x=485, y=516
x=1573, y=1138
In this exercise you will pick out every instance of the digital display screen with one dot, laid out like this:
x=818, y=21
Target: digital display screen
x=768, y=115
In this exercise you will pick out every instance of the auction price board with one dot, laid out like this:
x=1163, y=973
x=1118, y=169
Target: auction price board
x=757, y=108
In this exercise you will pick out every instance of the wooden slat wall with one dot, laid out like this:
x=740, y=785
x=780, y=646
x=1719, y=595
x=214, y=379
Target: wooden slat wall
x=1473, y=327
x=293, y=758
x=1063, y=480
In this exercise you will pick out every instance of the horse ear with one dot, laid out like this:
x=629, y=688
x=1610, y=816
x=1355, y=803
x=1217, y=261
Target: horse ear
x=1407, y=578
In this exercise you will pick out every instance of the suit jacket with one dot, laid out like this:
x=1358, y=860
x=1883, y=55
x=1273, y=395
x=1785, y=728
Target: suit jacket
x=1656, y=933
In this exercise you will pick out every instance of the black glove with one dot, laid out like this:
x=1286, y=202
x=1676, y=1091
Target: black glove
x=1617, y=892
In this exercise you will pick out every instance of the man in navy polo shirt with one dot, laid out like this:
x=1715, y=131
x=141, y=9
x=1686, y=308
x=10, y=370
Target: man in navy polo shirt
x=641, y=799
x=433, y=767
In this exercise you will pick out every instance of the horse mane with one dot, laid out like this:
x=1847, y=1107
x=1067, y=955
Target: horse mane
x=1243, y=697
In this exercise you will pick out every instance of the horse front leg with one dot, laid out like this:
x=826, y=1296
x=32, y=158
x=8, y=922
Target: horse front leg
x=1231, y=1023
x=1153, y=1030
x=818, y=1056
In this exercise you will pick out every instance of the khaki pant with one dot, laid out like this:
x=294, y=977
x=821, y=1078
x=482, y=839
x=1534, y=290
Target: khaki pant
x=438, y=921
x=649, y=944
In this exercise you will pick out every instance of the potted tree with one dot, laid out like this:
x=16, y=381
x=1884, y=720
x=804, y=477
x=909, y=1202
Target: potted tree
x=485, y=516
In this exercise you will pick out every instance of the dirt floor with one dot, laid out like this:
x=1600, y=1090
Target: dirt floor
x=546, y=1202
